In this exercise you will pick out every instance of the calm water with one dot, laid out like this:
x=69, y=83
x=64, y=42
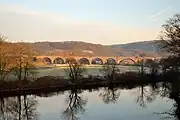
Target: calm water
x=125, y=106
x=103, y=104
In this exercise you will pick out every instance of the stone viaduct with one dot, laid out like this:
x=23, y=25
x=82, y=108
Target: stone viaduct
x=89, y=59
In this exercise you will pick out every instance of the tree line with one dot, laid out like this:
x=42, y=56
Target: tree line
x=15, y=59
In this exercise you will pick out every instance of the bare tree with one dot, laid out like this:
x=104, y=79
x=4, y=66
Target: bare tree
x=170, y=63
x=5, y=58
x=171, y=35
x=142, y=55
x=153, y=66
x=75, y=72
x=110, y=72
x=15, y=57
x=23, y=65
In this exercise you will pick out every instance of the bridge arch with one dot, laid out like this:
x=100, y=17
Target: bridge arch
x=34, y=59
x=58, y=61
x=70, y=60
x=84, y=61
x=127, y=59
x=111, y=61
x=47, y=60
x=98, y=61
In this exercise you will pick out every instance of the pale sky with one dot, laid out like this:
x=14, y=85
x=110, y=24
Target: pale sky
x=95, y=21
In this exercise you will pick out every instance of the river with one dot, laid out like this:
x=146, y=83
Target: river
x=141, y=103
x=124, y=107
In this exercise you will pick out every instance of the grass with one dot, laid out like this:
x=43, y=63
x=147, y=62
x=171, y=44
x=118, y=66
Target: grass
x=66, y=66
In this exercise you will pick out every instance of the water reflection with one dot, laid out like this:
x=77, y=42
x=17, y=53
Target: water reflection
x=25, y=107
x=171, y=90
x=110, y=94
x=18, y=108
x=144, y=95
x=75, y=105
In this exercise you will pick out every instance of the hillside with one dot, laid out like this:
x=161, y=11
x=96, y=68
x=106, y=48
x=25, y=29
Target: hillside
x=145, y=45
x=150, y=48
x=78, y=48
x=72, y=47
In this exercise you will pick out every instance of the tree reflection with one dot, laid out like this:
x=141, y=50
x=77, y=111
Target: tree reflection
x=30, y=108
x=172, y=90
x=76, y=104
x=18, y=108
x=164, y=90
x=110, y=94
x=144, y=96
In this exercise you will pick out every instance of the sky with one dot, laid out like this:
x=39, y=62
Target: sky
x=94, y=21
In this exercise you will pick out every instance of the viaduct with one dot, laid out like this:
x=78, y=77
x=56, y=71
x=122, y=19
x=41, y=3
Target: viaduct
x=90, y=59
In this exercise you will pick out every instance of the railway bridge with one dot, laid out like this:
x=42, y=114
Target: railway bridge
x=90, y=59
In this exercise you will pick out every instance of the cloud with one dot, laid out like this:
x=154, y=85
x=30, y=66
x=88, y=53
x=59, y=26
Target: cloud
x=159, y=14
x=22, y=24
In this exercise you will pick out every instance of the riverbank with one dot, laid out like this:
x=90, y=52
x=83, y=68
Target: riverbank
x=52, y=84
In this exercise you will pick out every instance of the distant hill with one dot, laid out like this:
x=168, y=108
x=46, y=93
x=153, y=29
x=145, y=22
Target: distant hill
x=78, y=48
x=150, y=48
x=145, y=45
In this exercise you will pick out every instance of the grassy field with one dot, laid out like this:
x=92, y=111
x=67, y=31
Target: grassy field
x=65, y=66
